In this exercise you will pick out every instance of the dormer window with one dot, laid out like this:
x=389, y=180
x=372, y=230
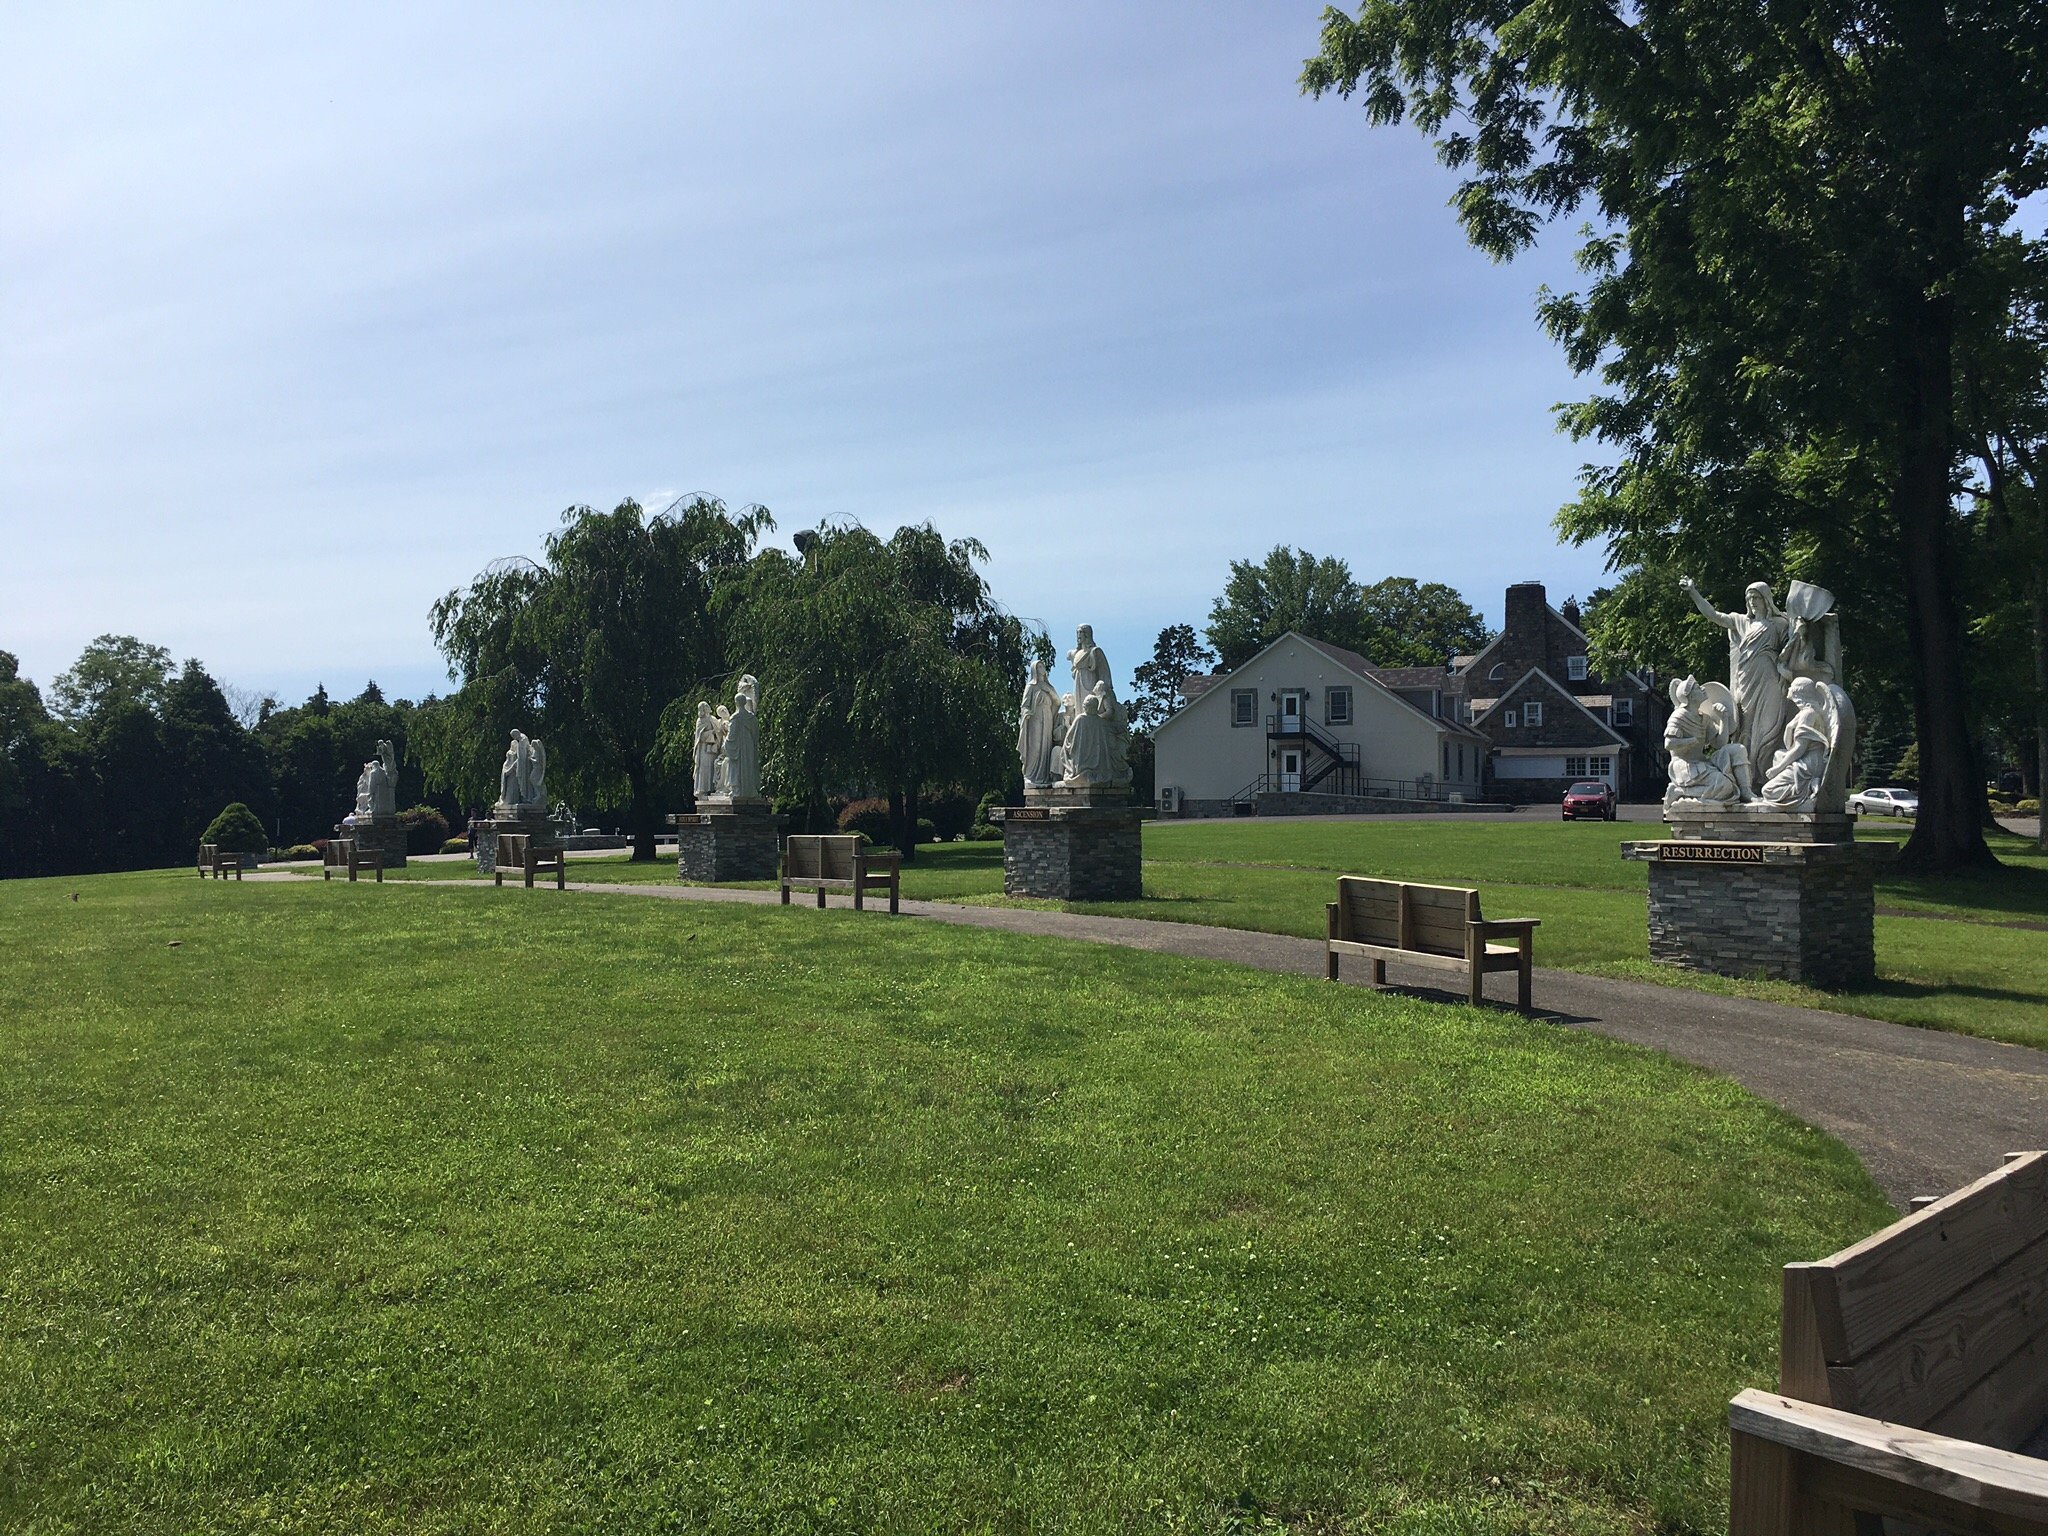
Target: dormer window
x=1624, y=712
x=1575, y=668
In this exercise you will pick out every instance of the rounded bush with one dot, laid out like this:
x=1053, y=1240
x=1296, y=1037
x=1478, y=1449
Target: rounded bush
x=869, y=817
x=426, y=829
x=984, y=832
x=456, y=845
x=238, y=830
x=926, y=831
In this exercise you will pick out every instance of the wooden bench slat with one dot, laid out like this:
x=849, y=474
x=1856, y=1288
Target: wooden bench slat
x=1877, y=1288
x=2008, y=1407
x=1921, y=1372
x=1959, y=1477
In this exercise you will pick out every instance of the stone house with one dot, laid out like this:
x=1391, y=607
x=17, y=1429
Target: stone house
x=1305, y=726
x=1549, y=719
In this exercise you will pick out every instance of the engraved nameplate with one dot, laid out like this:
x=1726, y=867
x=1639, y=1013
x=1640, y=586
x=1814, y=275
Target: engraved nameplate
x=1710, y=853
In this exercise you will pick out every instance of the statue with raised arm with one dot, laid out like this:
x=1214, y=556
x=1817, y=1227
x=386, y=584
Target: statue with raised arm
x=1757, y=637
x=1038, y=728
x=1709, y=767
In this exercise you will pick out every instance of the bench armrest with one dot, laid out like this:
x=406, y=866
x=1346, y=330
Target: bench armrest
x=893, y=857
x=1506, y=927
x=1890, y=1468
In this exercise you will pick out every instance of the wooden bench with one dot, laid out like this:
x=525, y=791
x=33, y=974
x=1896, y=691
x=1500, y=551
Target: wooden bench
x=516, y=851
x=1912, y=1376
x=346, y=856
x=218, y=862
x=840, y=864
x=1430, y=925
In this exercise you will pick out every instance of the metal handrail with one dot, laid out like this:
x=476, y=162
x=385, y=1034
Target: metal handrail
x=1301, y=725
x=1366, y=789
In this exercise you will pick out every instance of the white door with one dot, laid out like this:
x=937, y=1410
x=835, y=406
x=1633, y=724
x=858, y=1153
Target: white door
x=1290, y=711
x=1290, y=772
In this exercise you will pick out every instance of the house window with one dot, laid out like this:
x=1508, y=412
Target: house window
x=1532, y=713
x=1588, y=767
x=1461, y=760
x=1508, y=719
x=1447, y=759
x=1337, y=706
x=1244, y=706
x=1499, y=672
x=1575, y=668
x=1624, y=712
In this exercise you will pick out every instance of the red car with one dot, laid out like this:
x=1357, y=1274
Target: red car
x=1591, y=799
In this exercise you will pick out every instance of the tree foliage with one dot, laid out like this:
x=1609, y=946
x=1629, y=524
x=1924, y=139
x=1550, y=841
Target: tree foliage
x=587, y=649
x=1789, y=201
x=886, y=666
x=1395, y=622
x=1158, y=694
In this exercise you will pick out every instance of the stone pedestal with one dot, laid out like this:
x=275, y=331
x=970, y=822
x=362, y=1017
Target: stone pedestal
x=538, y=825
x=728, y=839
x=1801, y=911
x=1074, y=845
x=378, y=834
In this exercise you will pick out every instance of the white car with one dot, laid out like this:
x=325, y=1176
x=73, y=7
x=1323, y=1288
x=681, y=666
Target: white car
x=1885, y=802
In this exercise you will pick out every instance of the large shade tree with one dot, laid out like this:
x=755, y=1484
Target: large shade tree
x=885, y=665
x=1788, y=197
x=586, y=649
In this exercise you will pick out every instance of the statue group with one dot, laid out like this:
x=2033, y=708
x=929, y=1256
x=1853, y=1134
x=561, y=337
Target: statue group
x=726, y=749
x=1779, y=735
x=377, y=788
x=522, y=782
x=1076, y=739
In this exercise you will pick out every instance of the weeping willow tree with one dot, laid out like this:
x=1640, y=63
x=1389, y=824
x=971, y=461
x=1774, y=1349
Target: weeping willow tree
x=586, y=649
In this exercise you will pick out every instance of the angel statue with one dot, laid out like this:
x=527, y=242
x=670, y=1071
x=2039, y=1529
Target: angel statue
x=1757, y=637
x=522, y=781
x=1709, y=767
x=1811, y=772
x=1038, y=728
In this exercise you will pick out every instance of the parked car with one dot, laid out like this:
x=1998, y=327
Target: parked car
x=1592, y=800
x=1885, y=802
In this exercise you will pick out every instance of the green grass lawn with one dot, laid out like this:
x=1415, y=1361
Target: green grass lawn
x=332, y=1208
x=1943, y=959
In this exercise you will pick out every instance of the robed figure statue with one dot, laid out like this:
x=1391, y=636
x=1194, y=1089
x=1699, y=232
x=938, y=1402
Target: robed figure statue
x=1757, y=637
x=1038, y=728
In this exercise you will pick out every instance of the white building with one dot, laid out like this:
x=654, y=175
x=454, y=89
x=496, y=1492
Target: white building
x=1303, y=721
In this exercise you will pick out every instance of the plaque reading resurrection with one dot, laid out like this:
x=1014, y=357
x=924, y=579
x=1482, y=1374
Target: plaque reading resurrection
x=688, y=821
x=1710, y=853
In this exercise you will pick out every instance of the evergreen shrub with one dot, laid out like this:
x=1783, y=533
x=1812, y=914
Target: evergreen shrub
x=426, y=829
x=238, y=830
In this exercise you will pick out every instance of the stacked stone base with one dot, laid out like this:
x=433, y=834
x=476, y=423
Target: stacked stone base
x=1073, y=851
x=739, y=841
x=483, y=837
x=1803, y=912
x=380, y=834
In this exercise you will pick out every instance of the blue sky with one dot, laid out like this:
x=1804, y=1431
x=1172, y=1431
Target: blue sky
x=310, y=315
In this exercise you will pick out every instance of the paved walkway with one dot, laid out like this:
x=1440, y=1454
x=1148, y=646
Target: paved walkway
x=1927, y=1111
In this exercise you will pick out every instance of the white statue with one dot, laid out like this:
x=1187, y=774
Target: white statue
x=1090, y=746
x=1119, y=731
x=522, y=781
x=710, y=736
x=1815, y=647
x=1709, y=766
x=377, y=787
x=1811, y=772
x=739, y=752
x=1089, y=664
x=1757, y=638
x=1038, y=728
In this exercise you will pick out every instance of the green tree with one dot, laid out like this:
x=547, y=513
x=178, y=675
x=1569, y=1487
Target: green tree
x=1791, y=199
x=1410, y=623
x=112, y=668
x=237, y=829
x=1289, y=589
x=1158, y=685
x=586, y=650
x=885, y=664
